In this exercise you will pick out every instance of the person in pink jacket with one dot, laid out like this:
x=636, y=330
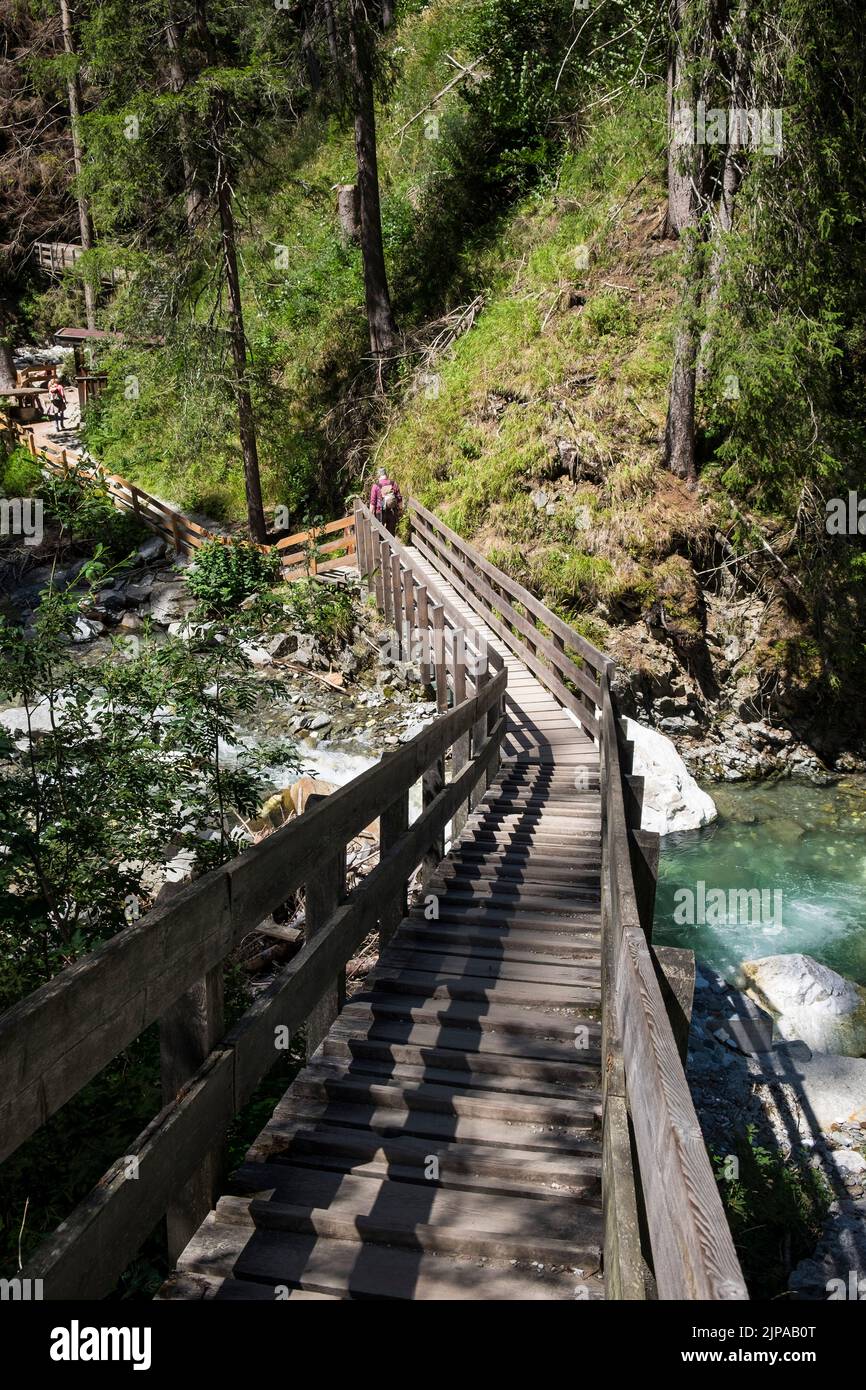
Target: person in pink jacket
x=386, y=502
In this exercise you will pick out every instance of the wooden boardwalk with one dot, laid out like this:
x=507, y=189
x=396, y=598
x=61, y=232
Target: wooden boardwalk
x=444, y=1140
x=503, y=1112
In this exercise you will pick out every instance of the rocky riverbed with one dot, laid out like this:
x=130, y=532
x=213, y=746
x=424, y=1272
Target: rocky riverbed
x=808, y=1107
x=342, y=709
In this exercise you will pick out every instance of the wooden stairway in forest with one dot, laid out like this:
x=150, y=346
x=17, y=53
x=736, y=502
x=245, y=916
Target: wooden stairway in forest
x=444, y=1141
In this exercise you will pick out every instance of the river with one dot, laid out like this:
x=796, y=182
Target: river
x=805, y=843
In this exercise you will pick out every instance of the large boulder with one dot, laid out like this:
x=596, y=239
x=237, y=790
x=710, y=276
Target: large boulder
x=672, y=799
x=169, y=603
x=811, y=1002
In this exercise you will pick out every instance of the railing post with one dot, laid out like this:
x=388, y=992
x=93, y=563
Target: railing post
x=479, y=737
x=378, y=576
x=437, y=621
x=323, y=895
x=432, y=783
x=358, y=523
x=188, y=1033
x=460, y=751
x=397, y=602
x=424, y=633
x=409, y=608
x=387, y=591
x=393, y=822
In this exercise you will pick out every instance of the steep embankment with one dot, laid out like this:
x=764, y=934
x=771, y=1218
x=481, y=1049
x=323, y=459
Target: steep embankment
x=529, y=406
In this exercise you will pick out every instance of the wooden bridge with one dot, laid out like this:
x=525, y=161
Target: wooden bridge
x=502, y=1112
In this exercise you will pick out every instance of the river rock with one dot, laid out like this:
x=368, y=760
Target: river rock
x=672, y=799
x=811, y=1002
x=152, y=549
x=169, y=603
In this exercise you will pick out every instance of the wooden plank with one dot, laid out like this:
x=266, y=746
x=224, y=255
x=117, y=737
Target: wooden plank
x=324, y=893
x=693, y=1252
x=322, y=1265
x=594, y=657
x=188, y=1033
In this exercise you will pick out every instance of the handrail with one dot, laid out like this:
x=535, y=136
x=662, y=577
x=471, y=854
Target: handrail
x=168, y=965
x=655, y=1168
x=646, y=1094
x=298, y=554
x=497, y=597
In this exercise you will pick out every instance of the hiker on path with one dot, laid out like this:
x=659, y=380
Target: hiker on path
x=386, y=503
x=57, y=397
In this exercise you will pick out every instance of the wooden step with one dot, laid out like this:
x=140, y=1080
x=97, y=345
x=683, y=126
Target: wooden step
x=481, y=965
x=412, y=1061
x=545, y=1021
x=407, y=1158
x=390, y=1121
x=229, y=1245
x=442, y=985
x=331, y=1080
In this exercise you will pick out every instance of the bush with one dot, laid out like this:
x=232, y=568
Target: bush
x=84, y=509
x=225, y=574
x=22, y=475
x=321, y=609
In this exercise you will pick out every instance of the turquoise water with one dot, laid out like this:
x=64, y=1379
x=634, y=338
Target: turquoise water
x=806, y=843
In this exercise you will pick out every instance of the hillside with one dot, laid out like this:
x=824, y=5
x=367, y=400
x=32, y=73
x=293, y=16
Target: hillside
x=539, y=296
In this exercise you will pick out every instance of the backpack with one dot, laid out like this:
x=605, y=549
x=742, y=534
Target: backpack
x=388, y=496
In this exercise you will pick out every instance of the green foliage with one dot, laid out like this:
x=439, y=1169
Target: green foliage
x=21, y=474
x=86, y=514
x=224, y=574
x=324, y=610
x=776, y=1209
x=121, y=759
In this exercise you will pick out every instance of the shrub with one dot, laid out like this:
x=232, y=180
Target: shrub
x=225, y=574
x=321, y=609
x=84, y=509
x=22, y=475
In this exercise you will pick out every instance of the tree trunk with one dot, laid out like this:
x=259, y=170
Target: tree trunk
x=387, y=13
x=193, y=190
x=308, y=48
x=380, y=316
x=686, y=178
x=732, y=175
x=246, y=420
x=74, y=96
x=331, y=30
x=680, y=425
x=8, y=379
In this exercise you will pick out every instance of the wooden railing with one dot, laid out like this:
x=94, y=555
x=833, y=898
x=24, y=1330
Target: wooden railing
x=665, y=1231
x=300, y=554
x=559, y=657
x=168, y=968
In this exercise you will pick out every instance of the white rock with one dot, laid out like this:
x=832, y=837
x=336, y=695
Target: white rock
x=256, y=654
x=672, y=799
x=811, y=1002
x=848, y=1162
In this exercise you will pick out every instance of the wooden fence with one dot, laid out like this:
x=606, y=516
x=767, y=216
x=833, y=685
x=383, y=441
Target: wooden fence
x=564, y=662
x=665, y=1231
x=168, y=967
x=300, y=555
